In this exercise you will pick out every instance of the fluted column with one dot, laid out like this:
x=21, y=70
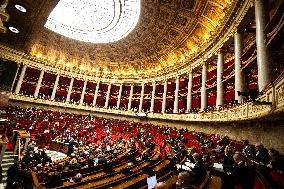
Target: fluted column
x=107, y=97
x=203, y=88
x=239, y=75
x=130, y=97
x=176, y=96
x=96, y=93
x=264, y=64
x=55, y=87
x=189, y=95
x=220, y=87
x=153, y=98
x=20, y=81
x=83, y=92
x=164, y=97
x=38, y=83
x=70, y=90
x=141, y=97
x=119, y=97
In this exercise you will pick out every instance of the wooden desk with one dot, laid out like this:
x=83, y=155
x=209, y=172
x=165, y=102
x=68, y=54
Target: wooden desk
x=22, y=134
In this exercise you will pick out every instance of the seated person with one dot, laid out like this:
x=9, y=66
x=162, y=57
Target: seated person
x=54, y=180
x=241, y=174
x=78, y=177
x=197, y=171
x=248, y=149
x=276, y=160
x=185, y=181
x=228, y=162
x=261, y=154
x=161, y=185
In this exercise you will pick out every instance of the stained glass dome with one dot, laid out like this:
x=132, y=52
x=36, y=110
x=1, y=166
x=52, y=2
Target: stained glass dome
x=100, y=21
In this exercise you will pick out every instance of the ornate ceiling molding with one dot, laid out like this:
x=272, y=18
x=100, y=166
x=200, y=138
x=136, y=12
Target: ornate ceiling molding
x=159, y=38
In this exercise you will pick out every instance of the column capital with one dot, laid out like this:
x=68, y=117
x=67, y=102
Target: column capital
x=203, y=63
x=238, y=31
x=252, y=2
x=220, y=51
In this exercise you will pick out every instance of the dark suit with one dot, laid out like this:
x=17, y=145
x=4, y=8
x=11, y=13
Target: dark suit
x=102, y=160
x=199, y=172
x=249, y=151
x=262, y=156
x=228, y=163
x=242, y=176
x=27, y=159
x=54, y=180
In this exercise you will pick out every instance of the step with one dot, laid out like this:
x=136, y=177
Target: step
x=6, y=164
x=9, y=156
x=9, y=152
x=8, y=161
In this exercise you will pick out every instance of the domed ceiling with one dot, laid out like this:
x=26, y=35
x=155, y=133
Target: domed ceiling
x=169, y=34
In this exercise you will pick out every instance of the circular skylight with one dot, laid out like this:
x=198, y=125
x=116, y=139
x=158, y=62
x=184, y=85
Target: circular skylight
x=13, y=29
x=21, y=8
x=100, y=21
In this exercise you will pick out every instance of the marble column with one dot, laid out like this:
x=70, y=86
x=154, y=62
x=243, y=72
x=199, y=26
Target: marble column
x=141, y=97
x=176, y=96
x=220, y=87
x=164, y=97
x=20, y=81
x=107, y=97
x=70, y=90
x=264, y=62
x=119, y=97
x=189, y=95
x=83, y=92
x=153, y=98
x=96, y=93
x=55, y=87
x=203, y=88
x=38, y=83
x=130, y=97
x=239, y=74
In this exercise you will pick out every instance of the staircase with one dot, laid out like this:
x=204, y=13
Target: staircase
x=8, y=160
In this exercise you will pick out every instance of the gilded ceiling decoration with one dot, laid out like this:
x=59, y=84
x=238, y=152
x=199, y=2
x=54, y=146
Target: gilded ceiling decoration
x=170, y=33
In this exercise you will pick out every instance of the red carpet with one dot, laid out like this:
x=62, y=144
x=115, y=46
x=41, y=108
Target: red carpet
x=10, y=146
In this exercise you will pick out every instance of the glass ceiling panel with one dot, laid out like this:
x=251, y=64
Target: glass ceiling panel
x=97, y=21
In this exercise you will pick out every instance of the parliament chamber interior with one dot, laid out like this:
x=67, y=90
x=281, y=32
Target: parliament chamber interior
x=163, y=94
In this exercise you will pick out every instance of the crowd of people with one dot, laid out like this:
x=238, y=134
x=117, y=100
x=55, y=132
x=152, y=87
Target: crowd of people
x=90, y=140
x=123, y=107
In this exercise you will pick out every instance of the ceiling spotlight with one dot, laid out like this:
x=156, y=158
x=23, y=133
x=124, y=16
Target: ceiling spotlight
x=21, y=8
x=12, y=29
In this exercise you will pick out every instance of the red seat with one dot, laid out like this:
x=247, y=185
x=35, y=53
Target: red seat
x=258, y=184
x=277, y=178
